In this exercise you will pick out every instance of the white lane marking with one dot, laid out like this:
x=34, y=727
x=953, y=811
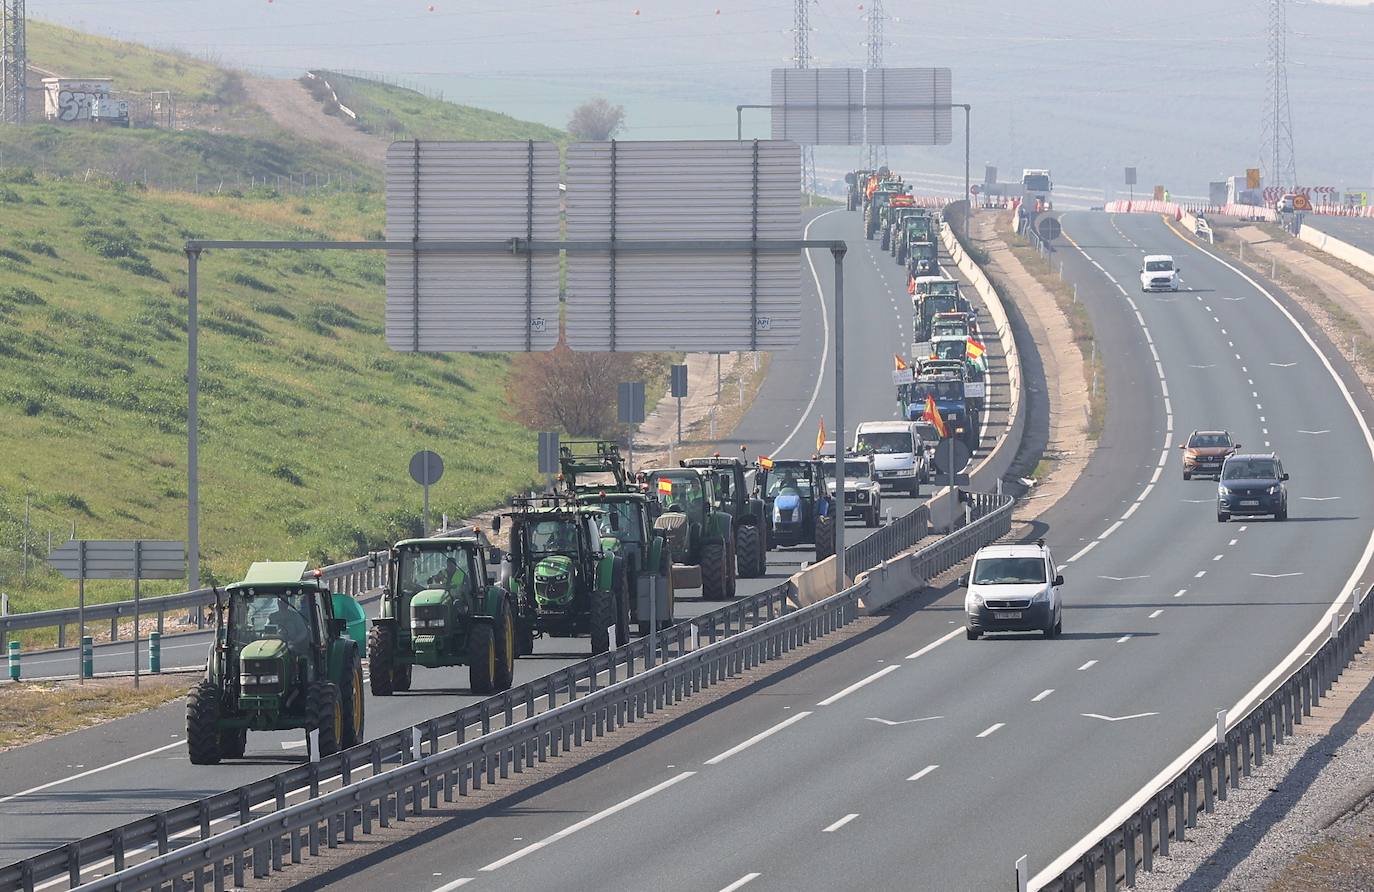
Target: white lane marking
x=1124, y=638
x=840, y=823
x=762, y=735
x=858, y=684
x=1313, y=433
x=1131, y=510
x=1179, y=593
x=825, y=341
x=1216, y=557
x=933, y=645
x=449, y=887
x=1244, y=528
x=1122, y=578
x=1111, y=529
x=1283, y=365
x=747, y=878
x=923, y=772
x=1320, y=498
x=1233, y=542
x=1275, y=575
x=892, y=724
x=1199, y=574
x=1265, y=431
x=1199, y=501
x=1087, y=665
x=992, y=729
x=65, y=780
x=1087, y=548
x=1119, y=718
x=588, y=821
x=1207, y=366
x=1255, y=394
x=1042, y=695
x=1156, y=614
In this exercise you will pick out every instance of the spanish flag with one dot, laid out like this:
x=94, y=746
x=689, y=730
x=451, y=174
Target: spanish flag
x=932, y=414
x=911, y=285
x=820, y=436
x=898, y=363
x=765, y=462
x=974, y=350
x=665, y=486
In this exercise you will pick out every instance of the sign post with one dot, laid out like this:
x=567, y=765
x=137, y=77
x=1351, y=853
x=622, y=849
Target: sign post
x=630, y=404
x=679, y=390
x=425, y=469
x=548, y=455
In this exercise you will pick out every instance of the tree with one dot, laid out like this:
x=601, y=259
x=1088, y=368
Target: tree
x=596, y=119
x=563, y=390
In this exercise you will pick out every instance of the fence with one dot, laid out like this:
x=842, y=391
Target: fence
x=1211, y=767
x=694, y=654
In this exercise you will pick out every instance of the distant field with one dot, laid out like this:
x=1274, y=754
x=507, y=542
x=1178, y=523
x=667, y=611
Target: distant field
x=387, y=110
x=308, y=420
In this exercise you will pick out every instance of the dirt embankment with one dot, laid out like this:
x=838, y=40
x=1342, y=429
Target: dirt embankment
x=292, y=107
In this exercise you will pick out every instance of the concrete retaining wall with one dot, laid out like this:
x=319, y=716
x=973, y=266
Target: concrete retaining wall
x=1356, y=257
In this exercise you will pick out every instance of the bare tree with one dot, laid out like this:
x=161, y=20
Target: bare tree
x=596, y=119
x=574, y=392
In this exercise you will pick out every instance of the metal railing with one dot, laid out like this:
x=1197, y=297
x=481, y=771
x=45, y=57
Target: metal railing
x=350, y=577
x=244, y=805
x=1171, y=811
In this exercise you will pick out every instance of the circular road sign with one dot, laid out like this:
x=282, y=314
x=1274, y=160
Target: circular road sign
x=975, y=189
x=1048, y=228
x=426, y=467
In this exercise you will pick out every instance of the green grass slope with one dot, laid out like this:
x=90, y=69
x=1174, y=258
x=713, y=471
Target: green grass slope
x=134, y=67
x=308, y=420
x=385, y=110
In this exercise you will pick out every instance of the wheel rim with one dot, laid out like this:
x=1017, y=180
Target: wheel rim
x=491, y=660
x=510, y=643
x=357, y=701
x=338, y=722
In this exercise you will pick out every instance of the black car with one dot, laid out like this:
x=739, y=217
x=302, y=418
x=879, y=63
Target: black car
x=1250, y=485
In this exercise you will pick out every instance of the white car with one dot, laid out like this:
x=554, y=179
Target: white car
x=863, y=496
x=1013, y=588
x=1158, y=273
x=897, y=452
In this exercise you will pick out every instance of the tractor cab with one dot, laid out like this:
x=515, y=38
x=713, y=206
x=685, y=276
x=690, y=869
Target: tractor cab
x=699, y=534
x=797, y=503
x=735, y=497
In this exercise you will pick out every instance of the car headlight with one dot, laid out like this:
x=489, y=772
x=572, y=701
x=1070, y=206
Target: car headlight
x=975, y=599
x=1041, y=596
x=1274, y=490
x=1222, y=491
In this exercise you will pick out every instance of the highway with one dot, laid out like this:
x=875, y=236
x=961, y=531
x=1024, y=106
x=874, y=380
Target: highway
x=88, y=781
x=915, y=759
x=1356, y=231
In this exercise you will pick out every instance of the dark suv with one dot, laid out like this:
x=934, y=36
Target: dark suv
x=1250, y=485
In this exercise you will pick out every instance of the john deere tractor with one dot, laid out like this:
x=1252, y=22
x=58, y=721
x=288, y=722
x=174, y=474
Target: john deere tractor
x=745, y=509
x=800, y=509
x=441, y=607
x=595, y=476
x=564, y=579
x=700, y=535
x=288, y=653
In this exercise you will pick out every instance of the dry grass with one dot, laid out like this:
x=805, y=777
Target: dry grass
x=33, y=711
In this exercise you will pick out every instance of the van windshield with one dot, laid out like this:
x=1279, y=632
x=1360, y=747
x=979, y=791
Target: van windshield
x=885, y=443
x=1158, y=266
x=1009, y=571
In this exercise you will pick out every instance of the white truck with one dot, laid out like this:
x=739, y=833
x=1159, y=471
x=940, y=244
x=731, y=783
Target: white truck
x=1036, y=188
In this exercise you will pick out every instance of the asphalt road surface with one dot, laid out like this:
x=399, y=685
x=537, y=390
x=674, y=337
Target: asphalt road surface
x=1357, y=231
x=85, y=782
x=914, y=758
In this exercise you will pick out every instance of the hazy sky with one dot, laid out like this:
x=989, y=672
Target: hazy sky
x=1084, y=87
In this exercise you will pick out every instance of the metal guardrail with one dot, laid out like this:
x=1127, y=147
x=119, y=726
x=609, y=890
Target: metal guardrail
x=698, y=635
x=350, y=577
x=1170, y=812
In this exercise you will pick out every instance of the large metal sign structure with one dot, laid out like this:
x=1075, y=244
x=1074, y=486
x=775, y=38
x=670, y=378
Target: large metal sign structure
x=908, y=106
x=818, y=106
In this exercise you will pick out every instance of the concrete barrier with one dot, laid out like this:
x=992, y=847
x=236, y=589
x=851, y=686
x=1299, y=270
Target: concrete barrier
x=891, y=581
x=1356, y=257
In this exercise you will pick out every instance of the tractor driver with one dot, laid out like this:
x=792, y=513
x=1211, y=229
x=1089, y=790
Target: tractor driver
x=291, y=625
x=452, y=577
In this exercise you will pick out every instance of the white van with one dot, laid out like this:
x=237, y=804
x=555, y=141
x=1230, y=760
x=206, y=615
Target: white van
x=1013, y=588
x=897, y=452
x=1158, y=273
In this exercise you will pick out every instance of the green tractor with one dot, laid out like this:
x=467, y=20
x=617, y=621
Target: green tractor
x=595, y=476
x=700, y=535
x=288, y=653
x=746, y=511
x=563, y=576
x=441, y=607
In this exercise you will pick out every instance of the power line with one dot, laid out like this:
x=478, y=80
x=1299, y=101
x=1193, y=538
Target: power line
x=1276, y=128
x=14, y=60
x=801, y=58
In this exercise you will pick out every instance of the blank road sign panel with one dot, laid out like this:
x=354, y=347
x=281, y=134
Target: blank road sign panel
x=471, y=191
x=908, y=106
x=818, y=106
x=690, y=299
x=114, y=559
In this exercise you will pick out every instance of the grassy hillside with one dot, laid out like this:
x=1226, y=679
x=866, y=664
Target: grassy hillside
x=136, y=68
x=308, y=420
x=385, y=110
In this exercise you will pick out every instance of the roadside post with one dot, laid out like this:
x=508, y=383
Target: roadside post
x=14, y=660
x=548, y=456
x=155, y=652
x=87, y=657
x=426, y=468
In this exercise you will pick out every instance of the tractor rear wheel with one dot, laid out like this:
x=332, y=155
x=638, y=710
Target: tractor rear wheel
x=484, y=661
x=326, y=712
x=715, y=574
x=351, y=704
x=401, y=675
x=381, y=661
x=621, y=589
x=506, y=647
x=751, y=559
x=602, y=618
x=202, y=725
x=825, y=537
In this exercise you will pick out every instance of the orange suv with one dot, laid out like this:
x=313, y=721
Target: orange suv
x=1204, y=452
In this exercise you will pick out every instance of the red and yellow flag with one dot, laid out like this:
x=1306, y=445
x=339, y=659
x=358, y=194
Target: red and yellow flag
x=974, y=349
x=911, y=285
x=898, y=363
x=932, y=414
x=665, y=486
x=765, y=462
x=820, y=436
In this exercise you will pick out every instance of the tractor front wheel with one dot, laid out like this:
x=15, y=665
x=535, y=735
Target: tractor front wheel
x=327, y=713
x=381, y=657
x=751, y=558
x=202, y=725
x=825, y=537
x=485, y=661
x=351, y=703
x=715, y=573
x=232, y=743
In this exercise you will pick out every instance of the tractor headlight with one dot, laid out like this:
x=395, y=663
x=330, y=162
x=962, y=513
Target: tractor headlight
x=259, y=679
